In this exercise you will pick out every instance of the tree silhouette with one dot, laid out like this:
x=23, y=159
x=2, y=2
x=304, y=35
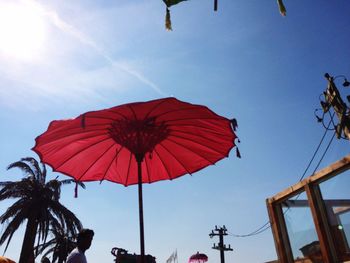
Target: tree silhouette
x=38, y=204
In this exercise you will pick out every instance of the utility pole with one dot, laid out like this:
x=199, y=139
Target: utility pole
x=334, y=101
x=221, y=232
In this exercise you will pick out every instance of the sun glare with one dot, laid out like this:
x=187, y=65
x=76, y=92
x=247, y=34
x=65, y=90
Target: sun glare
x=22, y=31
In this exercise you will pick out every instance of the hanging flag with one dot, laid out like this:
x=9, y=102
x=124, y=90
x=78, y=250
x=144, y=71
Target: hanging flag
x=172, y=258
x=168, y=4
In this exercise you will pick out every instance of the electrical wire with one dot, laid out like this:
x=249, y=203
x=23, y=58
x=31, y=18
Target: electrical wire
x=267, y=225
x=323, y=155
x=261, y=229
x=318, y=147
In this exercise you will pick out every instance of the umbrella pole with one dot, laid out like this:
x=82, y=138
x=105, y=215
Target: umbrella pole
x=142, y=237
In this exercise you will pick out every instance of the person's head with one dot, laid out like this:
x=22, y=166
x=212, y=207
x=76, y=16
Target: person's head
x=84, y=239
x=45, y=260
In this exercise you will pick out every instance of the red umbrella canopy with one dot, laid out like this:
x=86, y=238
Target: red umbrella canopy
x=170, y=137
x=198, y=258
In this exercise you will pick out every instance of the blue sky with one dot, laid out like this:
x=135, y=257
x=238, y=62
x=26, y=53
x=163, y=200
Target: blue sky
x=244, y=61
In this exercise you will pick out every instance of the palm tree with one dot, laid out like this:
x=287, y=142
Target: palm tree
x=60, y=245
x=38, y=204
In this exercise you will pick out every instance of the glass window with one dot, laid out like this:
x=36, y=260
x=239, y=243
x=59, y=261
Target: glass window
x=336, y=196
x=301, y=229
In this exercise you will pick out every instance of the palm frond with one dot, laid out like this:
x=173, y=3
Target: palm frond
x=23, y=166
x=43, y=171
x=3, y=184
x=40, y=202
x=18, y=189
x=13, y=211
x=59, y=246
x=55, y=187
x=34, y=164
x=11, y=228
x=8, y=241
x=67, y=218
x=42, y=247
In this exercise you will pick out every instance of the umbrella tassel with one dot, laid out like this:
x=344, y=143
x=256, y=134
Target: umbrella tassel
x=282, y=8
x=234, y=124
x=238, y=153
x=167, y=20
x=215, y=5
x=76, y=190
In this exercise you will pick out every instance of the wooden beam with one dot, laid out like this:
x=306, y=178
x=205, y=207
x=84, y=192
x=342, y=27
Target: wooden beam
x=318, y=177
x=341, y=203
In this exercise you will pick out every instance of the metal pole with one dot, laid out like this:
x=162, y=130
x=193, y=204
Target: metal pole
x=142, y=237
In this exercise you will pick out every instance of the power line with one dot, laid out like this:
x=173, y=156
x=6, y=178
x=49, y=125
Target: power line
x=323, y=155
x=332, y=100
x=314, y=155
x=267, y=225
x=256, y=232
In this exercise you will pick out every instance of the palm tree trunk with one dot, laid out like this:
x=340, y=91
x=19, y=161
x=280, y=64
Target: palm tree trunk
x=27, y=252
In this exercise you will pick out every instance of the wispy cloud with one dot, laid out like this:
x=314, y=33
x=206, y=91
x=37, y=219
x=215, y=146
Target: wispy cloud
x=86, y=40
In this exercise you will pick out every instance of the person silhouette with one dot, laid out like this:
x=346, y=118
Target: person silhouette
x=84, y=240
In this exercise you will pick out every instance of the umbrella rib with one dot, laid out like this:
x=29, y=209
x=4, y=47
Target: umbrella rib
x=177, y=110
x=184, y=138
x=110, y=164
x=159, y=156
x=199, y=118
x=205, y=128
x=106, y=118
x=187, y=171
x=192, y=150
x=130, y=107
x=155, y=106
x=127, y=176
x=102, y=129
x=106, y=110
x=133, y=112
x=198, y=135
x=75, y=133
x=75, y=153
x=202, y=108
x=96, y=160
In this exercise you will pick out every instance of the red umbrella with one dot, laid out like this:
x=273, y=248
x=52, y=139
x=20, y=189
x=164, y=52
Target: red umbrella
x=137, y=143
x=198, y=258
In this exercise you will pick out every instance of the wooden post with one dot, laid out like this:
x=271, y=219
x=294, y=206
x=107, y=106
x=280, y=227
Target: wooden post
x=319, y=215
x=279, y=231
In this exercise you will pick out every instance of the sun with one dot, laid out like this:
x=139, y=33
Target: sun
x=22, y=30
